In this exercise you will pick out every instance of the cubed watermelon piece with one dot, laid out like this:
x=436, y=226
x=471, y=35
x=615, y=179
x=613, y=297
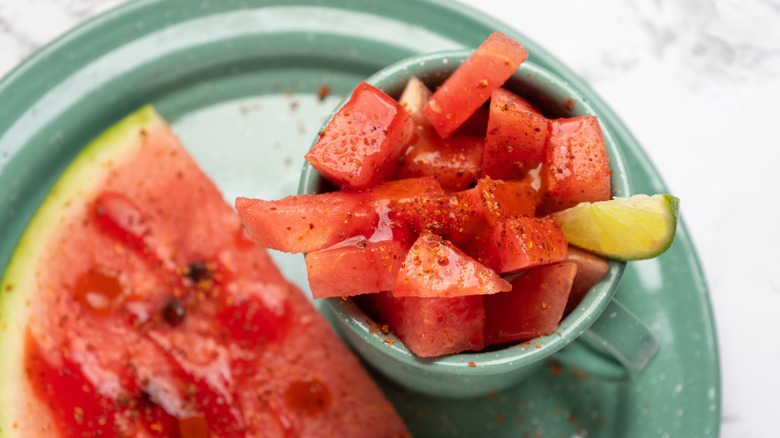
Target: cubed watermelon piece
x=590, y=270
x=356, y=266
x=465, y=218
x=471, y=85
x=576, y=167
x=413, y=204
x=360, y=146
x=516, y=136
x=432, y=327
x=434, y=267
x=517, y=243
x=482, y=207
x=533, y=308
x=304, y=223
x=504, y=199
x=454, y=162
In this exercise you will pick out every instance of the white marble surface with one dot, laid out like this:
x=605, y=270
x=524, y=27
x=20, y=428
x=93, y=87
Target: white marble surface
x=698, y=82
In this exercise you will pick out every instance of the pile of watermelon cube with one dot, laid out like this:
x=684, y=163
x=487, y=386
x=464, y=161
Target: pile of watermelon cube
x=438, y=216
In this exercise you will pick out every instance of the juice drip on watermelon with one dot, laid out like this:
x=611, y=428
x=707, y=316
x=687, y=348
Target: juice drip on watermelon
x=302, y=398
x=97, y=289
x=194, y=427
x=309, y=397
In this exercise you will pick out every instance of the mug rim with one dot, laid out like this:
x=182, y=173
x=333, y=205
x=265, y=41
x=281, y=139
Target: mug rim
x=517, y=356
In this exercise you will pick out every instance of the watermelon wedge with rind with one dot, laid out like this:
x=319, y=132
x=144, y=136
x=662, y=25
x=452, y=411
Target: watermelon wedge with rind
x=185, y=221
x=81, y=179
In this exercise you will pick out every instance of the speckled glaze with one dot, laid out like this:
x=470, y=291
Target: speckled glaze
x=239, y=80
x=465, y=375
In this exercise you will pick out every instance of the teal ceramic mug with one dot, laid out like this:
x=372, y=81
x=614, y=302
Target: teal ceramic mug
x=611, y=341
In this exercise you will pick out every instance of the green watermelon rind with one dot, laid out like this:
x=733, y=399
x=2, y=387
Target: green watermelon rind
x=70, y=194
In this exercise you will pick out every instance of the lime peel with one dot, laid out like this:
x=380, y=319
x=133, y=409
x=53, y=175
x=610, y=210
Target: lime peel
x=634, y=228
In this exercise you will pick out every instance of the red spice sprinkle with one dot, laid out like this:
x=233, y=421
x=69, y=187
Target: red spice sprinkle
x=323, y=92
x=579, y=374
x=472, y=364
x=309, y=397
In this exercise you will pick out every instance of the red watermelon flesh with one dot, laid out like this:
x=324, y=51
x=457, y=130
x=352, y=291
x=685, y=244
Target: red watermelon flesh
x=533, y=307
x=434, y=267
x=432, y=327
x=303, y=223
x=471, y=85
x=454, y=161
x=148, y=312
x=516, y=136
x=358, y=265
x=576, y=166
x=518, y=243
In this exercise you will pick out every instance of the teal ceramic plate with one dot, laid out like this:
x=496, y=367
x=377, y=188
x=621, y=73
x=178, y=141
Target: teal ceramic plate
x=244, y=82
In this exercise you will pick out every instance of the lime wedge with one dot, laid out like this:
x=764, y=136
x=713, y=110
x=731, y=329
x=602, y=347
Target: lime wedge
x=635, y=228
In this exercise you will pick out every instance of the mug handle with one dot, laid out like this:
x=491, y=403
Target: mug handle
x=618, y=345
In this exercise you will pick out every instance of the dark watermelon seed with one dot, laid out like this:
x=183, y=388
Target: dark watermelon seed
x=173, y=311
x=198, y=271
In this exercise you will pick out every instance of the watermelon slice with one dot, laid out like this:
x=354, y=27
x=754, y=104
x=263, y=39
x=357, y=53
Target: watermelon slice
x=135, y=305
